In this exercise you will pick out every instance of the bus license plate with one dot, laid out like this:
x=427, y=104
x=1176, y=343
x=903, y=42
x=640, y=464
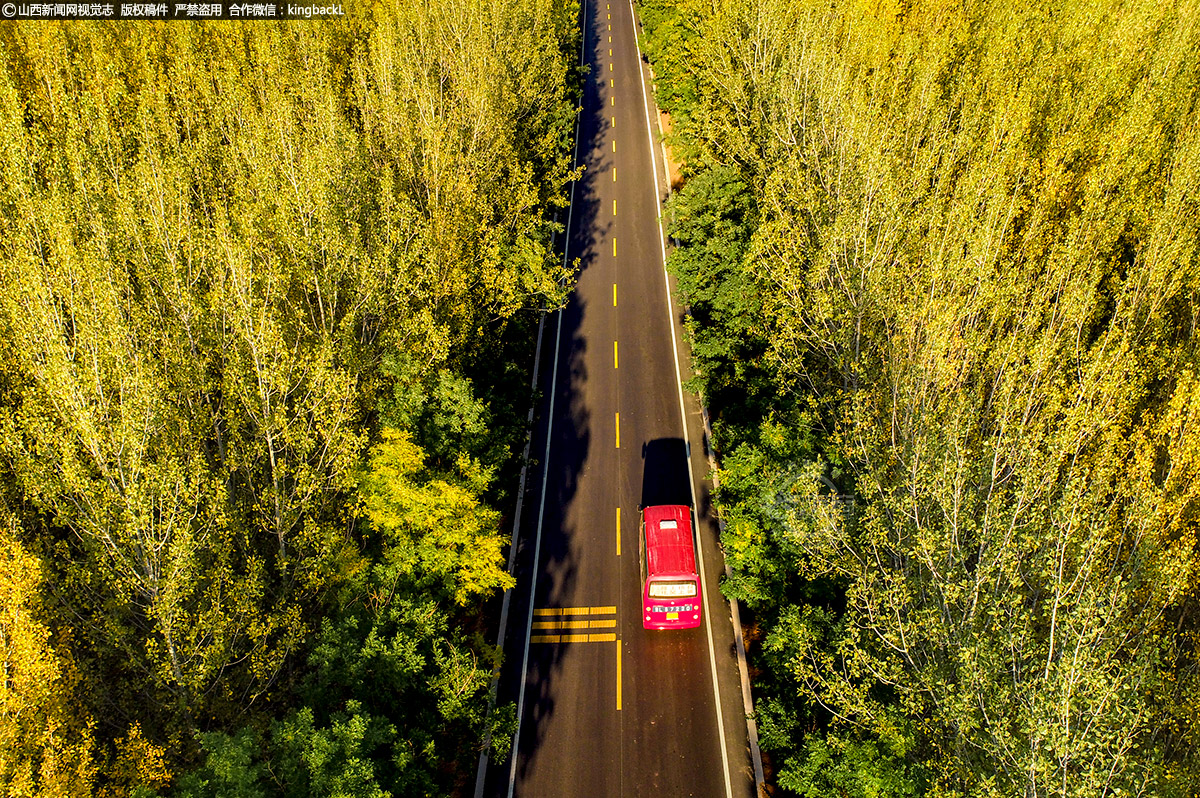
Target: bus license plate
x=672, y=616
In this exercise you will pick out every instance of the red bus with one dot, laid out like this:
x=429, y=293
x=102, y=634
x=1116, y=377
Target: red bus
x=670, y=584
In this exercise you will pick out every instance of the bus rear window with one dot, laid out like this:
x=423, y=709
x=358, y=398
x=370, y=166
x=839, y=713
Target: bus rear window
x=672, y=589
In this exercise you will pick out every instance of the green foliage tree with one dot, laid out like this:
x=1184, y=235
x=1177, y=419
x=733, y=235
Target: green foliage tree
x=231, y=769
x=390, y=692
x=714, y=219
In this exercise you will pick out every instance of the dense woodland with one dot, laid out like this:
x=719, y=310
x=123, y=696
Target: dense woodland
x=941, y=261
x=265, y=295
x=265, y=301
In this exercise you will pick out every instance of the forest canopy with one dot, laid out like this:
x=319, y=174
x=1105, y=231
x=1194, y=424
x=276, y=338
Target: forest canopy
x=247, y=276
x=941, y=264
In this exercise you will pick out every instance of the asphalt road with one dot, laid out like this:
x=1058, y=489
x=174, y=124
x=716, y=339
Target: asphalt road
x=609, y=709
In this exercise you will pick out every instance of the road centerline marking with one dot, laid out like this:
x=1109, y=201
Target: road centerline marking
x=618, y=428
x=614, y=354
x=618, y=531
x=614, y=295
x=618, y=675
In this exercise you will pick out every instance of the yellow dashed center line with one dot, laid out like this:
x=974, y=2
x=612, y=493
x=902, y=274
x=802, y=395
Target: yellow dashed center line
x=618, y=428
x=618, y=675
x=618, y=531
x=614, y=207
x=614, y=174
x=614, y=295
x=614, y=145
x=614, y=247
x=614, y=354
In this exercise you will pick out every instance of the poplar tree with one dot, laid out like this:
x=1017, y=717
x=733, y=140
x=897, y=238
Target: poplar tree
x=216, y=242
x=966, y=514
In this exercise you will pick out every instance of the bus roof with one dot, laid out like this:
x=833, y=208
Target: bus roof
x=669, y=540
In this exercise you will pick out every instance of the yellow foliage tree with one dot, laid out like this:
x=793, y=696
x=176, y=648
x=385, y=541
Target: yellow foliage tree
x=139, y=763
x=46, y=746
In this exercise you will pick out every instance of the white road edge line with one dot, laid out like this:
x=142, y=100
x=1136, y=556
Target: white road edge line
x=662, y=242
x=537, y=546
x=481, y=770
x=537, y=553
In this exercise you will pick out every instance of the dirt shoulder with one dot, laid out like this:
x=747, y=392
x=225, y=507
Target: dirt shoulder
x=673, y=170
